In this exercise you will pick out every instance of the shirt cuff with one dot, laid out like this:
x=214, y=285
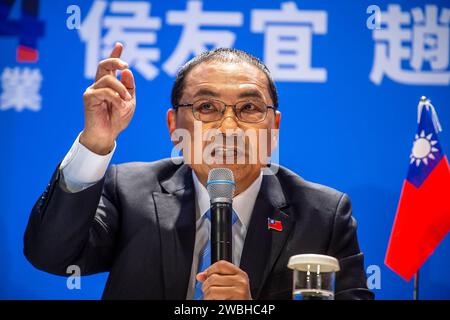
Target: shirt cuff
x=82, y=168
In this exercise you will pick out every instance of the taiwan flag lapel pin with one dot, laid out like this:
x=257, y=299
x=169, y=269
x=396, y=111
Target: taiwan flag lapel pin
x=273, y=224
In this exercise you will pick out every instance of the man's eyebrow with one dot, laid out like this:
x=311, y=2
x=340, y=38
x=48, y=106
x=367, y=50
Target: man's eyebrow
x=206, y=92
x=251, y=94
x=245, y=94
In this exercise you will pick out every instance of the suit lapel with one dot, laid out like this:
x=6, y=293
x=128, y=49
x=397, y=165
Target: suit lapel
x=176, y=217
x=263, y=246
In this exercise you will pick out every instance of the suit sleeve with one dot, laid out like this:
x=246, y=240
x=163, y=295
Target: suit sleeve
x=74, y=228
x=351, y=279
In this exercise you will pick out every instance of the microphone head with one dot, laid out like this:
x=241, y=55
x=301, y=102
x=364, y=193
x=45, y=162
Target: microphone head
x=220, y=185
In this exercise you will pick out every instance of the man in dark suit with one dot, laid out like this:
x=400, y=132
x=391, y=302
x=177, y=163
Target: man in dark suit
x=146, y=223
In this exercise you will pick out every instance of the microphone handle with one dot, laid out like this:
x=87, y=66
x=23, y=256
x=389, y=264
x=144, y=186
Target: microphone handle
x=221, y=234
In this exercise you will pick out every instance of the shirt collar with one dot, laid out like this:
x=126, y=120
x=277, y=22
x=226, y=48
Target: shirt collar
x=243, y=203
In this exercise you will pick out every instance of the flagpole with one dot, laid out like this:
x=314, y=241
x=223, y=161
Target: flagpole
x=416, y=286
x=423, y=101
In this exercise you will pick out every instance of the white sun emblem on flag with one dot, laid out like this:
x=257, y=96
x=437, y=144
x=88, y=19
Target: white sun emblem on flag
x=423, y=149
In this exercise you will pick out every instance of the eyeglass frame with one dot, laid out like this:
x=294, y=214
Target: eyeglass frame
x=191, y=105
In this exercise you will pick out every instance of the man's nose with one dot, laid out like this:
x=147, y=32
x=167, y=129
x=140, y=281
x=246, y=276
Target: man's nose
x=229, y=120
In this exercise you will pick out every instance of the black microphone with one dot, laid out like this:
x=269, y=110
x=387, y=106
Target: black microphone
x=221, y=188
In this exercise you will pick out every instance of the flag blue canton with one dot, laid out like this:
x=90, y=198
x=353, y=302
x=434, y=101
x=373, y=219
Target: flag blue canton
x=426, y=152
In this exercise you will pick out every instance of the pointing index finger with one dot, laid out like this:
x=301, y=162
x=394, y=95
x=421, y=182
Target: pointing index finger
x=111, y=64
x=117, y=50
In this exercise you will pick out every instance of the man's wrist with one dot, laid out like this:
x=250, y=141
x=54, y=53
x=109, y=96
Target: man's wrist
x=97, y=146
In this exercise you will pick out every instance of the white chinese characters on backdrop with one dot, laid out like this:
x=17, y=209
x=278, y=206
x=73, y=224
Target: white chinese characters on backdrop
x=20, y=89
x=410, y=48
x=129, y=23
x=193, y=40
x=288, y=41
x=288, y=34
x=412, y=39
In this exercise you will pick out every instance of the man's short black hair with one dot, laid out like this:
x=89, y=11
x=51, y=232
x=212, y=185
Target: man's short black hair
x=221, y=55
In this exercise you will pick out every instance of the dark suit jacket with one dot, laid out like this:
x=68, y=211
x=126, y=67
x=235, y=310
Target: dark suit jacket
x=138, y=223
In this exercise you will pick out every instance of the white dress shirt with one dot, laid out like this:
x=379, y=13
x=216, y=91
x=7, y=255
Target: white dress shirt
x=82, y=168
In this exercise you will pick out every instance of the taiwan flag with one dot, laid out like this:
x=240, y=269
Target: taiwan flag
x=274, y=224
x=423, y=214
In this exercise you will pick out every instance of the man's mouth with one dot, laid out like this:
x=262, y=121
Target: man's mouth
x=226, y=152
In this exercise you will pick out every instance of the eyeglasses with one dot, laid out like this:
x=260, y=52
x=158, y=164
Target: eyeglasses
x=209, y=110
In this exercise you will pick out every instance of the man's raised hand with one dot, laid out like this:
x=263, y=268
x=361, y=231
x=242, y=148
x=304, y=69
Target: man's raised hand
x=109, y=104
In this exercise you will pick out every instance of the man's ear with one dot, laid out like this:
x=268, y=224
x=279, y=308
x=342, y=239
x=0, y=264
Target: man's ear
x=277, y=119
x=171, y=122
x=275, y=137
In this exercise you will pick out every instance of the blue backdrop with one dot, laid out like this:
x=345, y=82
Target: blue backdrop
x=348, y=97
